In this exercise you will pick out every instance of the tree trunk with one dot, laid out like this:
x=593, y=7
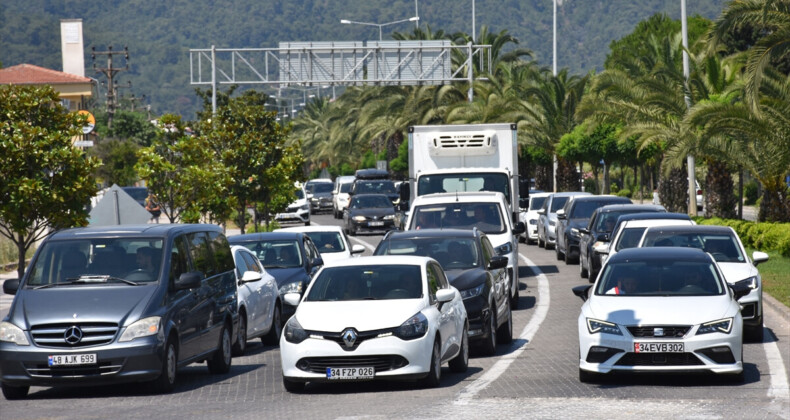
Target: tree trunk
x=720, y=199
x=775, y=204
x=241, y=217
x=673, y=190
x=20, y=246
x=567, y=176
x=543, y=177
x=606, y=181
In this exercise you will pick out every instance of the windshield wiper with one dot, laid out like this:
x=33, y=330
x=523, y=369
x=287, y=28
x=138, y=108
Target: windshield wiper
x=88, y=279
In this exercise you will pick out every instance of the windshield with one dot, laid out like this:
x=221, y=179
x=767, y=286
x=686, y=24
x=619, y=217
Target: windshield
x=484, y=216
x=375, y=187
x=535, y=203
x=378, y=282
x=299, y=194
x=345, y=188
x=97, y=261
x=451, y=253
x=432, y=184
x=275, y=254
x=370, y=202
x=660, y=278
x=629, y=238
x=321, y=188
x=723, y=247
x=558, y=203
x=327, y=242
x=584, y=209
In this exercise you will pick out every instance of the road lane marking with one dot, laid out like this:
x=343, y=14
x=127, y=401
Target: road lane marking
x=779, y=388
x=466, y=395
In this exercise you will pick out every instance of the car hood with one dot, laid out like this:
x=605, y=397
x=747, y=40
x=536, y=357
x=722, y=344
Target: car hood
x=652, y=310
x=363, y=315
x=383, y=211
x=286, y=275
x=734, y=272
x=466, y=279
x=120, y=304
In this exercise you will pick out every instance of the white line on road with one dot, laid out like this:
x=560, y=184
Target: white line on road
x=542, y=308
x=779, y=388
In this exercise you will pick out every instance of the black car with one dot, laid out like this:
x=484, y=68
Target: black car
x=473, y=267
x=371, y=213
x=599, y=231
x=112, y=304
x=576, y=215
x=375, y=186
x=319, y=195
x=290, y=257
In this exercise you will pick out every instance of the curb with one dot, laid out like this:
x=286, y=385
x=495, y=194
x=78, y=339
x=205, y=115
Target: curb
x=779, y=307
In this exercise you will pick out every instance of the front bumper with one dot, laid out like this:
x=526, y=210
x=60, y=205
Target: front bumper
x=314, y=351
x=532, y=230
x=478, y=313
x=713, y=352
x=297, y=216
x=134, y=361
x=372, y=226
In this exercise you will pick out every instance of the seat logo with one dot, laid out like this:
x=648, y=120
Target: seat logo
x=73, y=335
x=349, y=337
x=658, y=332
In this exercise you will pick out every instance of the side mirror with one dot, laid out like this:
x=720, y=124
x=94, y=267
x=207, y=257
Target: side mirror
x=602, y=249
x=405, y=192
x=740, y=289
x=582, y=291
x=584, y=230
x=541, y=211
x=604, y=237
x=357, y=249
x=190, y=280
x=445, y=295
x=10, y=286
x=519, y=228
x=497, y=262
x=523, y=204
x=292, y=298
x=561, y=213
x=523, y=188
x=759, y=257
x=251, y=276
x=403, y=205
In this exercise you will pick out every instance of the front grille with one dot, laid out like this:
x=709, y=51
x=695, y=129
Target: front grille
x=361, y=336
x=650, y=330
x=42, y=370
x=659, y=359
x=749, y=310
x=93, y=334
x=381, y=363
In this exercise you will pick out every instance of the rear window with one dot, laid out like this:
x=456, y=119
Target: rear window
x=558, y=203
x=723, y=247
x=485, y=216
x=536, y=203
x=379, y=282
x=451, y=253
x=660, y=278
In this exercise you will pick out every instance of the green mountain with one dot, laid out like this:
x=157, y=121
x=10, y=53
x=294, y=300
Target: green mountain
x=159, y=34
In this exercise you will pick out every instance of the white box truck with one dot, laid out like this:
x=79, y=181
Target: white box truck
x=464, y=158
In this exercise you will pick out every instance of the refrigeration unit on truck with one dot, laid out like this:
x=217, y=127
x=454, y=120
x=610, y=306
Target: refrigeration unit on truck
x=464, y=158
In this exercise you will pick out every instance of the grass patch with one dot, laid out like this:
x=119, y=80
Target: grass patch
x=775, y=274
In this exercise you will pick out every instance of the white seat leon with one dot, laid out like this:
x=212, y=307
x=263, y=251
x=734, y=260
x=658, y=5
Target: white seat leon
x=660, y=310
x=375, y=318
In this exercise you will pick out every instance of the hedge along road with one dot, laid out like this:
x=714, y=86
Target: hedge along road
x=535, y=377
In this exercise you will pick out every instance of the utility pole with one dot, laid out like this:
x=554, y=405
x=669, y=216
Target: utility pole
x=110, y=72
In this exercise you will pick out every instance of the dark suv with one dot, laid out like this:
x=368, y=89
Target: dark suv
x=117, y=304
x=575, y=215
x=473, y=267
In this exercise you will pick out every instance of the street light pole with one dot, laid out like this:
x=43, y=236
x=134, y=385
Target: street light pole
x=555, y=163
x=692, y=189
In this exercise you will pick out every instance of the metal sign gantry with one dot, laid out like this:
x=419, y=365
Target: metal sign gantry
x=338, y=64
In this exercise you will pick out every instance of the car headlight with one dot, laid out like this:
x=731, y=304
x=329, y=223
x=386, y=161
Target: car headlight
x=414, y=327
x=552, y=222
x=722, y=326
x=13, y=334
x=142, y=328
x=475, y=291
x=359, y=218
x=293, y=332
x=504, y=249
x=305, y=207
x=751, y=282
x=389, y=217
x=314, y=199
x=575, y=232
x=595, y=326
x=533, y=222
x=597, y=244
x=293, y=287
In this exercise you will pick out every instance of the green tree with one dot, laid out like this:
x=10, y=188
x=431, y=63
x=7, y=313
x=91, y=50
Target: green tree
x=118, y=158
x=47, y=183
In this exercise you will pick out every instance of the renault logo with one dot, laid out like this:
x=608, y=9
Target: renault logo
x=349, y=337
x=73, y=335
x=658, y=332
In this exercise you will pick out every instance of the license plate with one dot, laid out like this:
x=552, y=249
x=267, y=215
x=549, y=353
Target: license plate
x=72, y=359
x=376, y=224
x=658, y=348
x=350, y=373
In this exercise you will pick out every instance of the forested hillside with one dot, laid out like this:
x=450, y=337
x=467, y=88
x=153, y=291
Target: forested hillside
x=160, y=34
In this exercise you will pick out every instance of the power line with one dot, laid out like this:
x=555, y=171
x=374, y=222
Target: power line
x=110, y=72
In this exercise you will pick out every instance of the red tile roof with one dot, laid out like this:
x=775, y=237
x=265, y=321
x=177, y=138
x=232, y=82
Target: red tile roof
x=28, y=74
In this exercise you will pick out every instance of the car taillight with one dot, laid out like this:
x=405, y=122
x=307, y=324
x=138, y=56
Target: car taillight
x=699, y=192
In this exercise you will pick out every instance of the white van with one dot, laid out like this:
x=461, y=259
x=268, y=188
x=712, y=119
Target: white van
x=340, y=194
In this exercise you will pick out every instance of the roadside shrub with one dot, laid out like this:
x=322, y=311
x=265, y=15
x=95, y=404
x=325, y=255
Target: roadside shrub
x=625, y=192
x=750, y=193
x=264, y=227
x=590, y=185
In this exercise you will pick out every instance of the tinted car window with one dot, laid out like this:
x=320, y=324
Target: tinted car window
x=451, y=253
x=484, y=216
x=322, y=187
x=723, y=248
x=374, y=187
x=344, y=188
x=179, y=262
x=660, y=278
x=370, y=202
x=222, y=253
x=630, y=238
x=201, y=253
x=327, y=242
x=558, y=203
x=379, y=282
x=584, y=209
x=280, y=253
x=536, y=203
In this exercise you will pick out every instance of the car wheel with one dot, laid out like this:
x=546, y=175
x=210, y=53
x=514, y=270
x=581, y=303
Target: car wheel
x=587, y=376
x=583, y=273
x=516, y=294
x=505, y=332
x=166, y=381
x=754, y=334
x=11, y=392
x=307, y=223
x=293, y=386
x=560, y=256
x=221, y=360
x=460, y=363
x=489, y=345
x=241, y=340
x=272, y=338
x=435, y=373
x=541, y=244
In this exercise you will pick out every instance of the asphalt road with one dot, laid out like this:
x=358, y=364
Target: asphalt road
x=535, y=377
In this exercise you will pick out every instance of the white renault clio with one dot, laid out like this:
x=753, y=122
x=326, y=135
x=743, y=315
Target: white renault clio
x=660, y=309
x=375, y=318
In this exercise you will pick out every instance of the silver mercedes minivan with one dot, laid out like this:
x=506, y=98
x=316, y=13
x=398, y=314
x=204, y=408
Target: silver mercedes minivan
x=111, y=304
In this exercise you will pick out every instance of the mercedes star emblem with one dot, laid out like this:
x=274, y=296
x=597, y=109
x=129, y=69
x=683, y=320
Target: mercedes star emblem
x=73, y=335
